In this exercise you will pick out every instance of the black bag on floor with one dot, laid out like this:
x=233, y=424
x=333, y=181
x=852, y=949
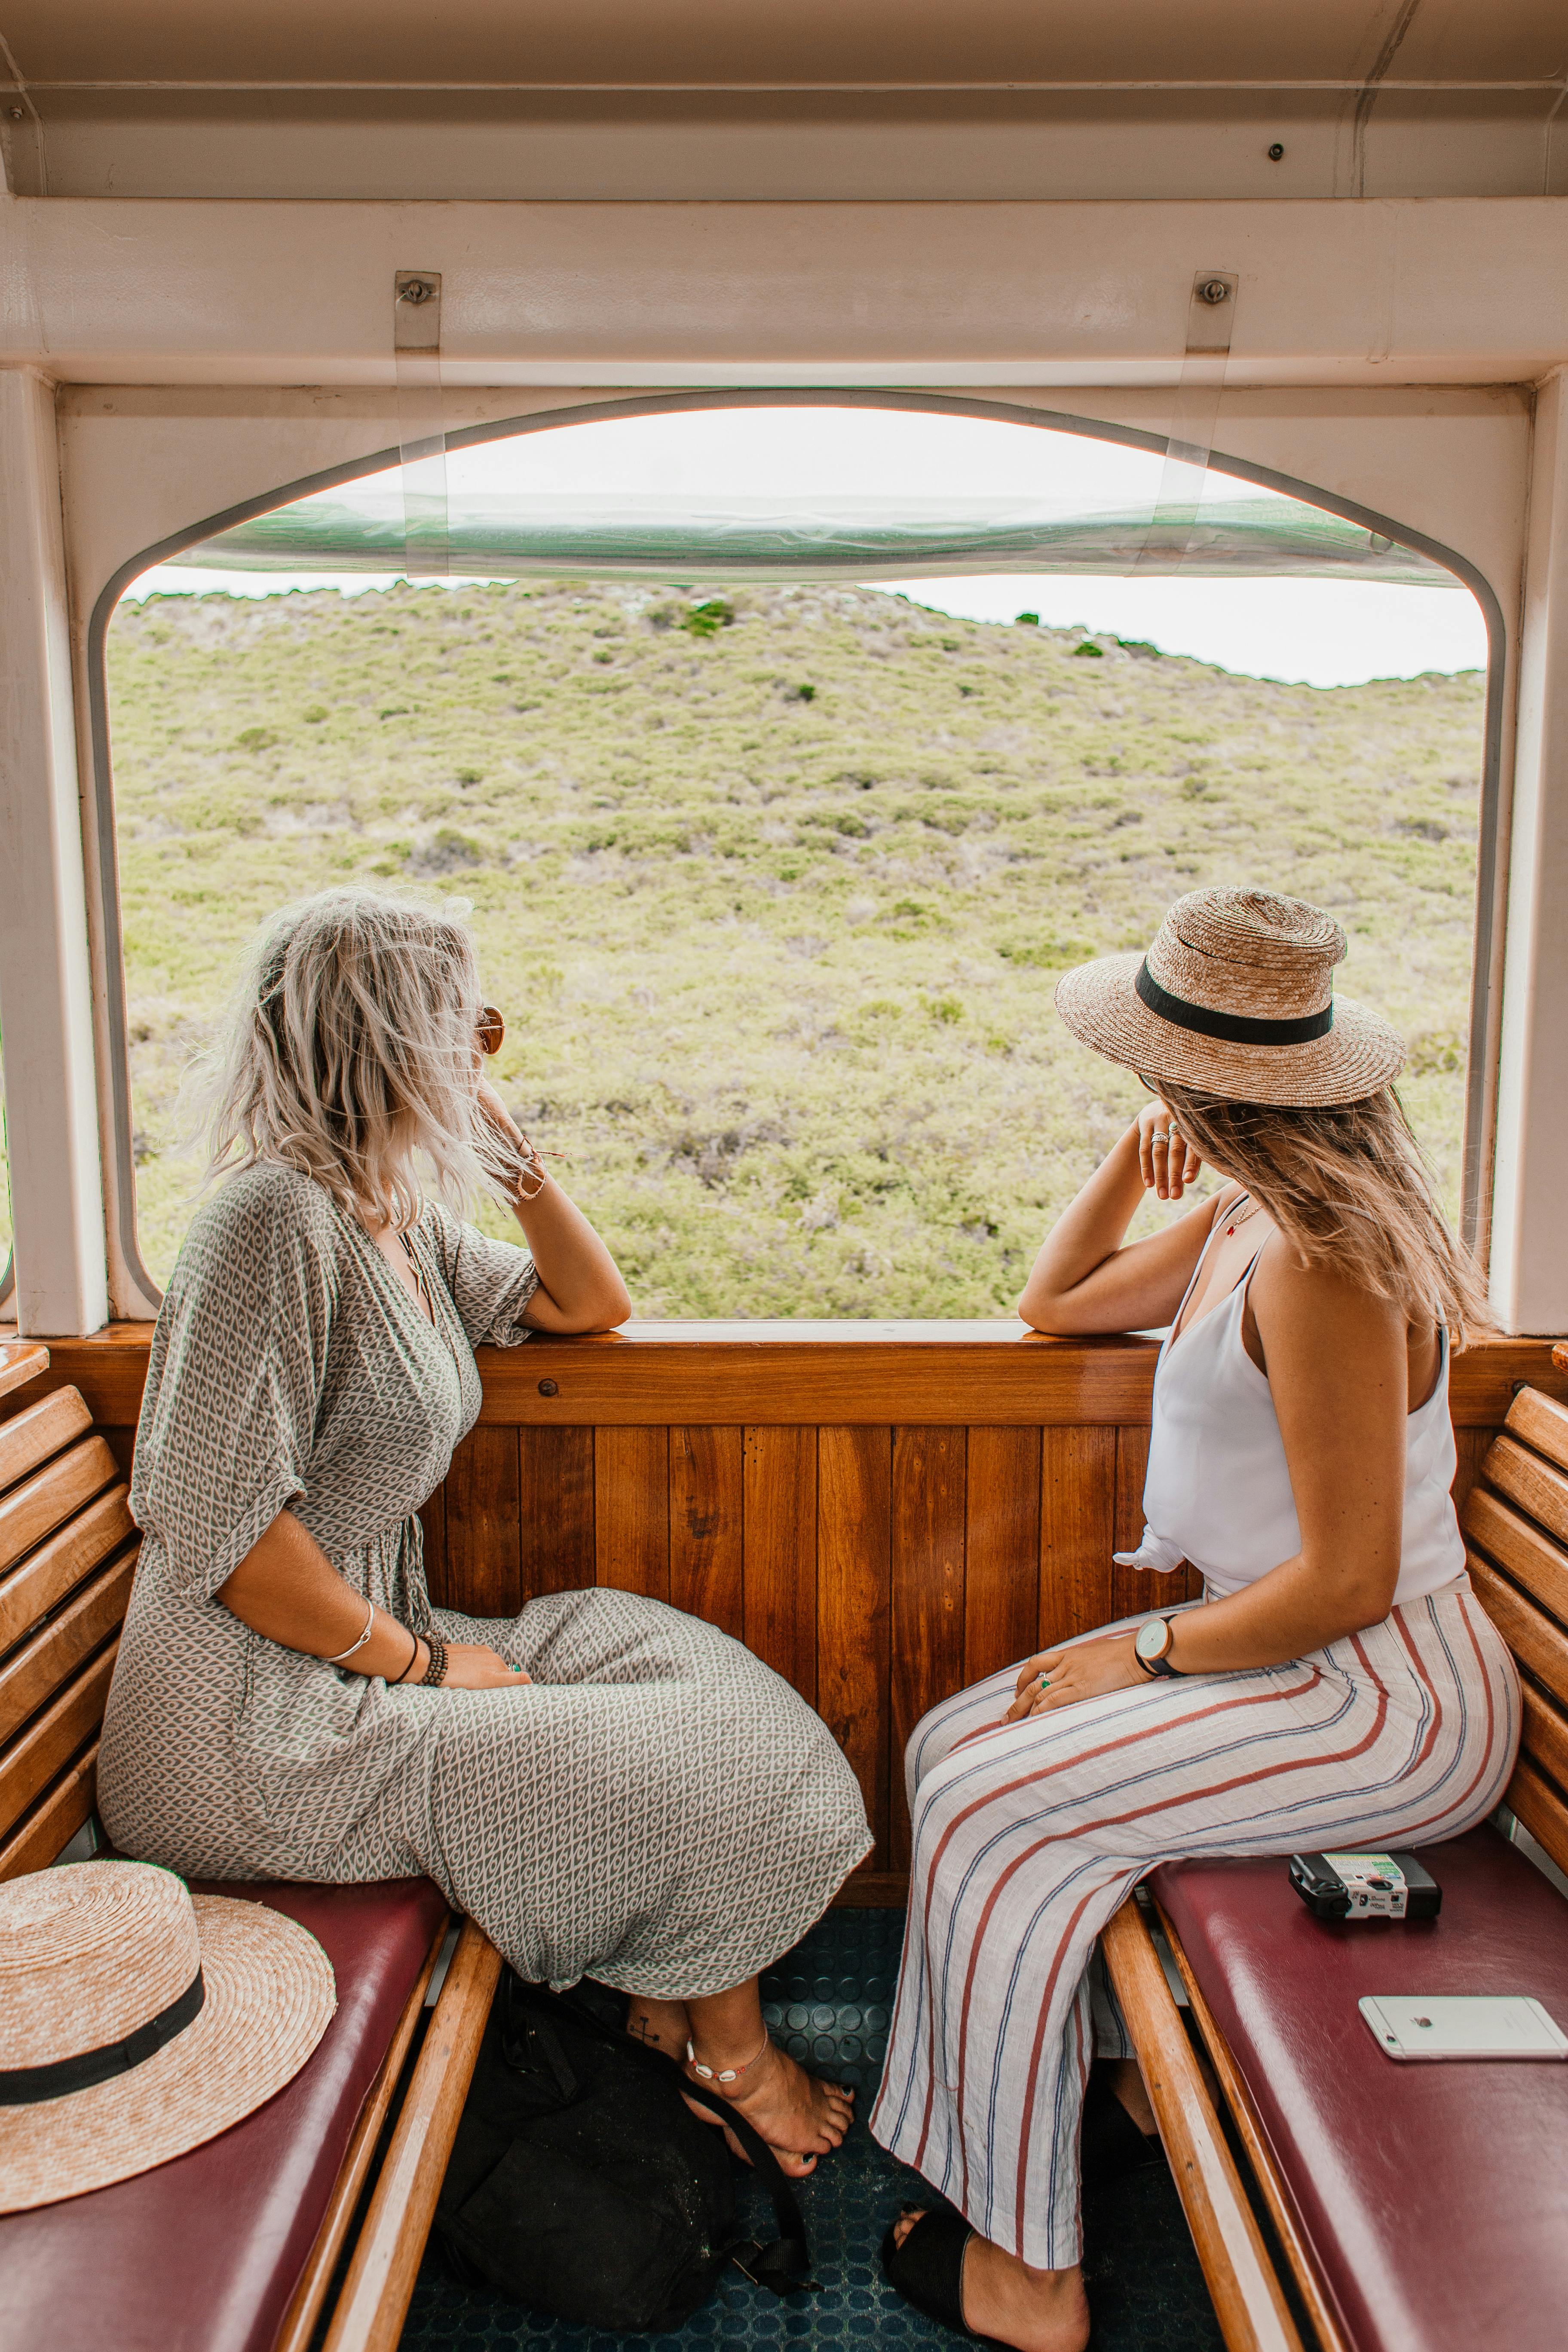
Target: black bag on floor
x=580, y=2183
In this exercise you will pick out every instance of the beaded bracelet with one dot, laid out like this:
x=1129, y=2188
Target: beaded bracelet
x=437, y=1666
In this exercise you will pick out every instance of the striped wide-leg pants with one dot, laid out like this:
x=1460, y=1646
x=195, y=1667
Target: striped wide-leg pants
x=1027, y=1837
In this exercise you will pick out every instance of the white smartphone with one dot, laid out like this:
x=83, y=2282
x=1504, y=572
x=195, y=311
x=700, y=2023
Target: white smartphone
x=1462, y=2025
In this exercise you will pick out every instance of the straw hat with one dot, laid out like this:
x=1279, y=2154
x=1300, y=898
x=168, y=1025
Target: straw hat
x=1236, y=998
x=137, y=2021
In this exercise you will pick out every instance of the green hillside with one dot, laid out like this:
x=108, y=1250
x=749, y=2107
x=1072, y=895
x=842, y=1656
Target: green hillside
x=772, y=888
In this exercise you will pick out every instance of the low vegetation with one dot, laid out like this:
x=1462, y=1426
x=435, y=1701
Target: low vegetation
x=772, y=887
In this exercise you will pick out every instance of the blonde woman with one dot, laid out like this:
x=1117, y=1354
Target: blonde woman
x=608, y=1786
x=1337, y=1687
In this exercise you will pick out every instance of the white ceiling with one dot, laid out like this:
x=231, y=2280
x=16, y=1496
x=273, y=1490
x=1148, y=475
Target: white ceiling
x=776, y=99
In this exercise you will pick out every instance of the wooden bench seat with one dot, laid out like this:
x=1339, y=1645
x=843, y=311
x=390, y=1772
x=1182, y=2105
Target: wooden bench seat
x=234, y=2246
x=1411, y=2206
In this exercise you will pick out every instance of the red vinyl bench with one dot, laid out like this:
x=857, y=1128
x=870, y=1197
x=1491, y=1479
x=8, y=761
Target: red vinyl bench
x=1415, y=2209
x=234, y=2246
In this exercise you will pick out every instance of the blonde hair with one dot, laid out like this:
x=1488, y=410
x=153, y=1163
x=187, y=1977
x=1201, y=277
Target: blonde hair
x=1347, y=1184
x=348, y=1051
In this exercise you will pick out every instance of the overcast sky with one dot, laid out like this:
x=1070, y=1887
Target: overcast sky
x=1323, y=632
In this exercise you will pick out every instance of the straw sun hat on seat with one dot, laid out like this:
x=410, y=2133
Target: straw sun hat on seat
x=1236, y=998
x=137, y=2021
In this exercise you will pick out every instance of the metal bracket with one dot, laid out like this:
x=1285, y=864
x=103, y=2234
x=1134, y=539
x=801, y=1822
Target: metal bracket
x=421, y=429
x=1211, y=319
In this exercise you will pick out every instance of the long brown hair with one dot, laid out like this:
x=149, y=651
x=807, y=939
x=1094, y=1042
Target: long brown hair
x=1346, y=1183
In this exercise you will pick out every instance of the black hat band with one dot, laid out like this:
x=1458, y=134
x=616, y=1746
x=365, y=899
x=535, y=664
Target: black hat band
x=1234, y=1028
x=24, y=2086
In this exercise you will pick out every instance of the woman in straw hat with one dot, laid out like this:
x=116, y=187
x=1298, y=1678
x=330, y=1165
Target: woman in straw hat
x=1337, y=1687
x=608, y=1786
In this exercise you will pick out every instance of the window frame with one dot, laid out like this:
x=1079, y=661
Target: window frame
x=1483, y=1042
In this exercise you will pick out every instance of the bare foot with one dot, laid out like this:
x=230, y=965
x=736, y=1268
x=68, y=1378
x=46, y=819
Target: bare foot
x=1036, y=2310
x=799, y=2116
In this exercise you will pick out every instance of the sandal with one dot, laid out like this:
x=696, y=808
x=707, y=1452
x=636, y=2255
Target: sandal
x=1112, y=2145
x=927, y=2269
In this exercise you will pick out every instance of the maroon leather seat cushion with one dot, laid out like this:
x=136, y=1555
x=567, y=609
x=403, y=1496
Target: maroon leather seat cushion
x=1434, y=2197
x=204, y=2253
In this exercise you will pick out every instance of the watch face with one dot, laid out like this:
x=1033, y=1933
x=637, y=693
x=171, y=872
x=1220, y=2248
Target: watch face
x=1154, y=1638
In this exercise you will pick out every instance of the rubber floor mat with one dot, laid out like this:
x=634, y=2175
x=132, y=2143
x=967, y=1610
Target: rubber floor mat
x=828, y=2002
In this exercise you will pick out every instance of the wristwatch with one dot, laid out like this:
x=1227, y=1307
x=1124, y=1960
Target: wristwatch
x=1151, y=1647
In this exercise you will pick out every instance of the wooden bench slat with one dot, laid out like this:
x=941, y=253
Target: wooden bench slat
x=1545, y=1740
x=44, y=1579
x=300, y=2320
x=1541, y=1808
x=1536, y=1641
x=34, y=1509
x=1516, y=1544
x=1249, y=2300
x=1255, y=2140
x=54, y=1823
x=31, y=1762
x=380, y=2283
x=40, y=1431
x=41, y=1665
x=21, y=1361
x=1541, y=1422
x=1540, y=1491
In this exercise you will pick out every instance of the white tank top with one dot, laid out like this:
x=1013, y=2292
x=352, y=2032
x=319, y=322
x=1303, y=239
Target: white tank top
x=1218, y=1488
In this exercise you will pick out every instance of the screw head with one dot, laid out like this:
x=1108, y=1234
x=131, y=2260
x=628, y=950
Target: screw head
x=548, y=1388
x=417, y=290
x=1276, y=152
x=1214, y=290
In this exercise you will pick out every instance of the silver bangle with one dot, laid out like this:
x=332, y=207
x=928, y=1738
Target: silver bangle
x=369, y=1629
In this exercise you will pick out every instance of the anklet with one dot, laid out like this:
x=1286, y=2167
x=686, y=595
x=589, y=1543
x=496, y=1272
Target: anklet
x=725, y=2074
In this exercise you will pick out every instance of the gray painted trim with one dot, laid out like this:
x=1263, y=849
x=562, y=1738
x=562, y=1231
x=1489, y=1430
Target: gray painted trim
x=1489, y=858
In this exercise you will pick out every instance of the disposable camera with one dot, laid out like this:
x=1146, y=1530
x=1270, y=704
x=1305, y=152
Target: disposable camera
x=1365, y=1886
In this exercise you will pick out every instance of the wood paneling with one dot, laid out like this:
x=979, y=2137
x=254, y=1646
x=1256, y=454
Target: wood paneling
x=986, y=1373
x=484, y=1575
x=1001, y=1549
x=854, y=1600
x=1078, y=1531
x=929, y=1510
x=706, y=1549
x=885, y=1512
x=631, y=1510
x=1134, y=1588
x=555, y=1502
x=779, y=1511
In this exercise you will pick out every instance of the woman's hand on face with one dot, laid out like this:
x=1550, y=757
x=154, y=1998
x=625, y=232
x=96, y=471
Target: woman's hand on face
x=472, y=1666
x=1087, y=1670
x=1166, y=1161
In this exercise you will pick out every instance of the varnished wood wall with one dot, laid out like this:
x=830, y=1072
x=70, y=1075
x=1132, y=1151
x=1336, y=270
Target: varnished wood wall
x=883, y=1513
x=877, y=1568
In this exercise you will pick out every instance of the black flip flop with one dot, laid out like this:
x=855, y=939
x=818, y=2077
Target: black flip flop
x=1112, y=2145
x=927, y=2269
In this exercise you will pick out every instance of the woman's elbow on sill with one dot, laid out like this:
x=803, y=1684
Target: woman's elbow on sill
x=603, y=1311
x=1055, y=1316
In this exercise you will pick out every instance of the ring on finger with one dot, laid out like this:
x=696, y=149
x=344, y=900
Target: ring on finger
x=1158, y=1135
